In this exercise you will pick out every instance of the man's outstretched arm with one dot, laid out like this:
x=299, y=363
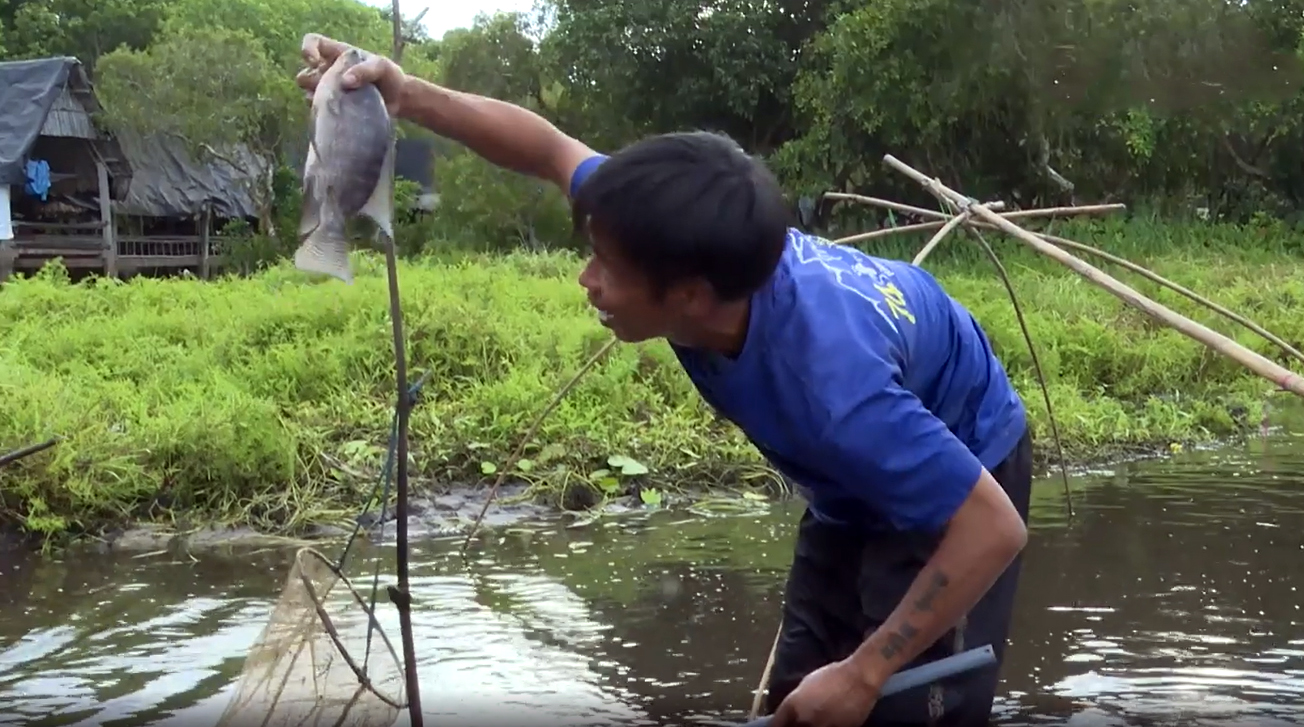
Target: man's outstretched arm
x=504, y=134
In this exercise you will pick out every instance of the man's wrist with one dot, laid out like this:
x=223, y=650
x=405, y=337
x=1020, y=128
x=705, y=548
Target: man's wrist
x=870, y=667
x=409, y=102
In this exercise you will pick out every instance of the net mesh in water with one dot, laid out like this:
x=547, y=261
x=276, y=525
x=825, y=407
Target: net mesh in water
x=316, y=663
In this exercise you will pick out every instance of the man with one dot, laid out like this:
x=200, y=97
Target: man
x=857, y=377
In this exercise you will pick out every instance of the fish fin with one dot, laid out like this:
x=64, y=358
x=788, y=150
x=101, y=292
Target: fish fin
x=310, y=216
x=380, y=205
x=313, y=157
x=310, y=210
x=323, y=248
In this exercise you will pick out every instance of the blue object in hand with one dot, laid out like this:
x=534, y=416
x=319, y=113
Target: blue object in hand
x=920, y=675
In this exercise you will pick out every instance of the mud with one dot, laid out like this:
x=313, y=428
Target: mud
x=447, y=513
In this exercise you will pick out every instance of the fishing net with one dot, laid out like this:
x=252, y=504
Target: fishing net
x=321, y=660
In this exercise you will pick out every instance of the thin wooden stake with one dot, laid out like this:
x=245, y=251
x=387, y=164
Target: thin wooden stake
x=1265, y=368
x=529, y=434
x=936, y=240
x=401, y=594
x=757, y=699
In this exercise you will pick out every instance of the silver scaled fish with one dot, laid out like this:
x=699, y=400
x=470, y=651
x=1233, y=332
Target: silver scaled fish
x=349, y=170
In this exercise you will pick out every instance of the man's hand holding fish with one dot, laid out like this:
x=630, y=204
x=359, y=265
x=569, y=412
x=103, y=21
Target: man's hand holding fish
x=319, y=52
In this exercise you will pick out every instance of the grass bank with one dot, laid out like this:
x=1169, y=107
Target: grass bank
x=266, y=401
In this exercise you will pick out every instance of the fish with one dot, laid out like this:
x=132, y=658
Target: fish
x=348, y=171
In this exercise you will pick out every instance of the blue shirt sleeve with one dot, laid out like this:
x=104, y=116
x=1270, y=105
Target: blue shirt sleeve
x=583, y=171
x=888, y=450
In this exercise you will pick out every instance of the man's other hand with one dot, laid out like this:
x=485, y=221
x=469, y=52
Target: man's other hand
x=835, y=695
x=319, y=52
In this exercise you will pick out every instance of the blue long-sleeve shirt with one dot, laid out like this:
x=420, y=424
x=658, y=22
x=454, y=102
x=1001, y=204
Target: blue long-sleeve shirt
x=866, y=384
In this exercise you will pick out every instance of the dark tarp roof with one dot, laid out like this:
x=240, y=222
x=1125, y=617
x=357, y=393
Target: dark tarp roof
x=29, y=91
x=169, y=182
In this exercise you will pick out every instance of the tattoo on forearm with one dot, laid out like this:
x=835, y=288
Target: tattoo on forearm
x=936, y=583
x=898, y=640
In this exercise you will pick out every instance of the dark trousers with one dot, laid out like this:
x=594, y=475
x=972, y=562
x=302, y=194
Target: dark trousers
x=844, y=584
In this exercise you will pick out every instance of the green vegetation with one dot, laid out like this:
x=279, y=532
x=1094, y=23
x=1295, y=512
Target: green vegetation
x=265, y=400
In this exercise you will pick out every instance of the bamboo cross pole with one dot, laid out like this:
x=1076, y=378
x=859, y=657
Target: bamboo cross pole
x=925, y=226
x=1279, y=375
x=936, y=240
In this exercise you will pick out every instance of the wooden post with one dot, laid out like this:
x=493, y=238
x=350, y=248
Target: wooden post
x=8, y=246
x=8, y=254
x=205, y=217
x=106, y=218
x=401, y=595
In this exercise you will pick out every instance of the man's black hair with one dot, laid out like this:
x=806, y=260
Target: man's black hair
x=685, y=205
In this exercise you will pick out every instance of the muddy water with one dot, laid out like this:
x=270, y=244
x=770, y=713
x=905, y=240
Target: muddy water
x=1173, y=595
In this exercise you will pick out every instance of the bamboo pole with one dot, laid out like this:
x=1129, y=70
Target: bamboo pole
x=886, y=231
x=1085, y=209
x=925, y=226
x=936, y=240
x=1282, y=377
x=889, y=204
x=758, y=697
x=1179, y=289
x=401, y=594
x=27, y=451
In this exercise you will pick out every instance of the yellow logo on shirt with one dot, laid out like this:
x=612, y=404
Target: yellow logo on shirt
x=896, y=301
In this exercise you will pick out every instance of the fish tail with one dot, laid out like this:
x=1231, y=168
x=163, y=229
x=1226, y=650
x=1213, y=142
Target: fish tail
x=325, y=250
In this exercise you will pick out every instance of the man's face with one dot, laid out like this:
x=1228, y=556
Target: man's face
x=624, y=298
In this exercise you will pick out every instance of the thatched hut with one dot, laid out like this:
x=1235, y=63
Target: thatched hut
x=96, y=199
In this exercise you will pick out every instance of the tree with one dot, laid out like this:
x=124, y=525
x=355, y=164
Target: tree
x=84, y=29
x=215, y=89
x=646, y=66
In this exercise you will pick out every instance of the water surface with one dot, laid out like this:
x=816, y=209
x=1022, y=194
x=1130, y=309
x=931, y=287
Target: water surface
x=1172, y=596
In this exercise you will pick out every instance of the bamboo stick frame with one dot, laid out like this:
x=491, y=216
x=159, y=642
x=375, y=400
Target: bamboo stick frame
x=974, y=215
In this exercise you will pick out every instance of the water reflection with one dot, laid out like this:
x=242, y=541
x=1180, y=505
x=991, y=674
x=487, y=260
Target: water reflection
x=1172, y=596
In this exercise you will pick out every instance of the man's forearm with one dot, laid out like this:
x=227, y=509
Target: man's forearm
x=970, y=558
x=504, y=134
